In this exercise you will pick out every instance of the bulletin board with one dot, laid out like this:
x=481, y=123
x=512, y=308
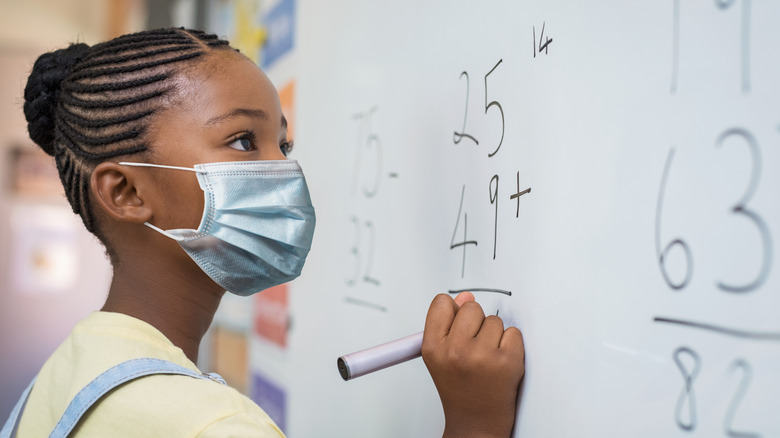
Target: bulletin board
x=602, y=175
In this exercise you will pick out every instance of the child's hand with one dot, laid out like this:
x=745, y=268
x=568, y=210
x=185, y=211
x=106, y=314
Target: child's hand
x=476, y=366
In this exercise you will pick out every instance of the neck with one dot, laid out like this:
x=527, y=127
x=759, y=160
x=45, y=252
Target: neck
x=180, y=306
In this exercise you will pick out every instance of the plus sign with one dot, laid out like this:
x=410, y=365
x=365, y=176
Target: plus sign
x=519, y=194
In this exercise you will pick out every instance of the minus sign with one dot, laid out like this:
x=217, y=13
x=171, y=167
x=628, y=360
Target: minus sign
x=393, y=175
x=480, y=289
x=364, y=303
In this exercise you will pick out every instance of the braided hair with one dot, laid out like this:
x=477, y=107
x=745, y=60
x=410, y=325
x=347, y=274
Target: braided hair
x=87, y=104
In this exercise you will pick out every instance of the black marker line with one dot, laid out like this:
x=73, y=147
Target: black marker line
x=687, y=393
x=459, y=244
x=745, y=42
x=494, y=199
x=546, y=43
x=761, y=336
x=481, y=289
x=362, y=114
x=363, y=303
x=460, y=137
x=517, y=195
x=675, y=45
x=370, y=280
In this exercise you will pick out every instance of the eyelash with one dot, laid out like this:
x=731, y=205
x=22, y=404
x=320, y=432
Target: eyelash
x=286, y=146
x=248, y=136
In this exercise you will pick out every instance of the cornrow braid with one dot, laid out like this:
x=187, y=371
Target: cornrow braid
x=102, y=123
x=75, y=102
x=113, y=86
x=133, y=66
x=114, y=50
x=218, y=43
x=138, y=55
x=143, y=36
x=87, y=104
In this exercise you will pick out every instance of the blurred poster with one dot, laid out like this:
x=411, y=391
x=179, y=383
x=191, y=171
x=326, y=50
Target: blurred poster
x=287, y=100
x=220, y=18
x=44, y=249
x=272, y=398
x=272, y=315
x=234, y=313
x=264, y=31
x=34, y=174
x=229, y=357
x=239, y=21
x=280, y=22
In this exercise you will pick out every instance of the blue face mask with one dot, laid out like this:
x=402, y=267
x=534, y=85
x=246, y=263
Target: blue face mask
x=257, y=225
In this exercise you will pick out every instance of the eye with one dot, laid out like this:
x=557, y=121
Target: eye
x=286, y=147
x=244, y=142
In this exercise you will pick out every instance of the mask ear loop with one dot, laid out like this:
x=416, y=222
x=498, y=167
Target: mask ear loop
x=161, y=166
x=128, y=163
x=163, y=232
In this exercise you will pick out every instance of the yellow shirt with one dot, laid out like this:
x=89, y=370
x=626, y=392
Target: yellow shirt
x=153, y=406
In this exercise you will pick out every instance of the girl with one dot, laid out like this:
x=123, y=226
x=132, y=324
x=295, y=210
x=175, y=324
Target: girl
x=140, y=127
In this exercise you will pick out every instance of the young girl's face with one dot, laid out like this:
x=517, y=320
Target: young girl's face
x=226, y=110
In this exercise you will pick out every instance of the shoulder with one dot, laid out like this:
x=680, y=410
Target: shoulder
x=173, y=405
x=169, y=405
x=241, y=425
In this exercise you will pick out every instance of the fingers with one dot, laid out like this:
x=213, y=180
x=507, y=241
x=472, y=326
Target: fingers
x=512, y=341
x=442, y=312
x=491, y=331
x=467, y=321
x=440, y=315
x=464, y=297
x=463, y=318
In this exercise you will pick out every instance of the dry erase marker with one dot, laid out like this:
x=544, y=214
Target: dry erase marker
x=382, y=356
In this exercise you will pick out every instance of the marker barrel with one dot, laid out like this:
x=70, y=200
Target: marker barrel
x=382, y=356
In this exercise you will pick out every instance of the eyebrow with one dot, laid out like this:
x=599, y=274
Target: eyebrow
x=237, y=112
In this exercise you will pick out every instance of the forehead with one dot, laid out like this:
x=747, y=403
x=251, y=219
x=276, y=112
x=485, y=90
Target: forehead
x=220, y=83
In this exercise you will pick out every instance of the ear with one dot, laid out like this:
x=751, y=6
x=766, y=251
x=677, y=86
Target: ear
x=116, y=191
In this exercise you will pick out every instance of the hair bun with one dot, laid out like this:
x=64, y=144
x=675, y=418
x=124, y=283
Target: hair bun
x=40, y=94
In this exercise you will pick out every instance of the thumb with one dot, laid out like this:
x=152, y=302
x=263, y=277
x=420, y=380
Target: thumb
x=463, y=298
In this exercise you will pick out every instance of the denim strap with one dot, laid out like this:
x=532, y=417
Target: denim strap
x=13, y=419
x=102, y=385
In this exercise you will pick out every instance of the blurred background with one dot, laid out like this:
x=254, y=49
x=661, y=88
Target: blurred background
x=52, y=272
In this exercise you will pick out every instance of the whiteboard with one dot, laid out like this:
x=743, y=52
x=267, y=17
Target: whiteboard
x=641, y=266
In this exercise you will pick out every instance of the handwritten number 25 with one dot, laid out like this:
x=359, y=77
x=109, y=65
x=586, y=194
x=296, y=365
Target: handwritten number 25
x=458, y=136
